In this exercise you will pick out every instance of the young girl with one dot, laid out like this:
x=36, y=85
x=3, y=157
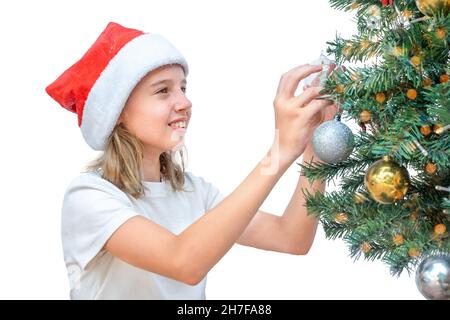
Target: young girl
x=136, y=225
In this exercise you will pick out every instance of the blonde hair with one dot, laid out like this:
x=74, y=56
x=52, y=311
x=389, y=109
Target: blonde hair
x=121, y=163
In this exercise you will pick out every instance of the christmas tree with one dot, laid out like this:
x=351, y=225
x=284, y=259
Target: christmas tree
x=393, y=201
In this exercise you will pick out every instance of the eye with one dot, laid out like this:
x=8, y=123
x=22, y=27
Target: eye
x=183, y=89
x=164, y=90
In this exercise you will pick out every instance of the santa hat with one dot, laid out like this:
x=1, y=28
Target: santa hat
x=98, y=85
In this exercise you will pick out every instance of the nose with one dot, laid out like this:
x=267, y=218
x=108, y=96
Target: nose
x=183, y=104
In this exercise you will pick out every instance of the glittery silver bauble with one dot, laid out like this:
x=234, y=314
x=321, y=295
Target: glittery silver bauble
x=333, y=141
x=433, y=277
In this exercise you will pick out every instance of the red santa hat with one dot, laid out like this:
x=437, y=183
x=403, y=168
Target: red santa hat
x=97, y=87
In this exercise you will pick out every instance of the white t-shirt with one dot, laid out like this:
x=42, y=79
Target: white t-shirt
x=93, y=208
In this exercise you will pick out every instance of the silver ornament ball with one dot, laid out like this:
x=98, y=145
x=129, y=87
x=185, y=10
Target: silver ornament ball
x=433, y=277
x=333, y=141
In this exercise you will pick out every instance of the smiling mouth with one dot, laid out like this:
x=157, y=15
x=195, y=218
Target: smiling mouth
x=178, y=125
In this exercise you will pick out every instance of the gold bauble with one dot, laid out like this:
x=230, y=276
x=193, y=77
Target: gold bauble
x=440, y=33
x=411, y=94
x=440, y=229
x=347, y=51
x=398, y=51
x=431, y=168
x=414, y=252
x=428, y=7
x=365, y=44
x=386, y=181
x=341, y=217
x=415, y=60
x=340, y=89
x=365, y=116
x=380, y=97
x=365, y=247
x=427, y=82
x=398, y=239
x=425, y=130
x=354, y=5
x=407, y=14
x=437, y=128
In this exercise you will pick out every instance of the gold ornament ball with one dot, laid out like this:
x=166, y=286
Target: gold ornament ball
x=398, y=239
x=340, y=89
x=411, y=94
x=440, y=33
x=365, y=247
x=427, y=82
x=407, y=14
x=443, y=78
x=365, y=116
x=414, y=252
x=428, y=7
x=440, y=229
x=431, y=168
x=341, y=217
x=365, y=44
x=425, y=130
x=437, y=127
x=354, y=5
x=415, y=60
x=413, y=216
x=398, y=51
x=347, y=51
x=380, y=97
x=386, y=181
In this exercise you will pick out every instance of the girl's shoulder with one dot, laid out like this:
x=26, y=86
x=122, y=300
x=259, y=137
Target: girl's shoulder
x=92, y=180
x=92, y=177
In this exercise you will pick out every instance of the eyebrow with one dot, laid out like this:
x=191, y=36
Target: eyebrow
x=166, y=81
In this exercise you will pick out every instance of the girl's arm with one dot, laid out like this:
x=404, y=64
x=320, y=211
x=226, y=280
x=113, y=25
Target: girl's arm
x=189, y=256
x=294, y=231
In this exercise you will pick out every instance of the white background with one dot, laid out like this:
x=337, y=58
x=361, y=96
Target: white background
x=237, y=51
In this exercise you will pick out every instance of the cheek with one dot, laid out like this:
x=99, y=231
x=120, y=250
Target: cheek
x=148, y=124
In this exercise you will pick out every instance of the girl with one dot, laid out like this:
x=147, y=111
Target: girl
x=136, y=225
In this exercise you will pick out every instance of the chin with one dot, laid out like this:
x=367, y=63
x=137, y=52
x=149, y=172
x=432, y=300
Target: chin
x=176, y=141
x=177, y=146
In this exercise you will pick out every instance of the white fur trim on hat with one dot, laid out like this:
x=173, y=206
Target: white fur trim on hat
x=111, y=90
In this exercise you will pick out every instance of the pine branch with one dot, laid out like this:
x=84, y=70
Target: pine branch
x=404, y=87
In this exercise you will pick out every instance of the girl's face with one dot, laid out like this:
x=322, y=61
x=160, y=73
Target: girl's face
x=155, y=103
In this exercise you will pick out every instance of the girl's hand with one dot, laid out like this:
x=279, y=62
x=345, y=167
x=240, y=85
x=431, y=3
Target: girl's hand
x=296, y=117
x=324, y=115
x=330, y=111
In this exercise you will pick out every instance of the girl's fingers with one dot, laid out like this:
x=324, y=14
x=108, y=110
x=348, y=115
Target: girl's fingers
x=307, y=96
x=290, y=80
x=318, y=105
x=330, y=112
